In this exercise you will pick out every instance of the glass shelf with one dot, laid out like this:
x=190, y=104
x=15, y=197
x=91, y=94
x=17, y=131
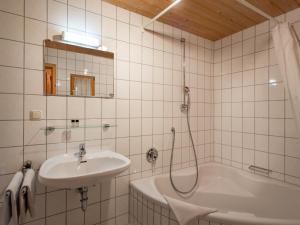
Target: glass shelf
x=53, y=128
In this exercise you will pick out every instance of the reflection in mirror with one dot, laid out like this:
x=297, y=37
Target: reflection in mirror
x=82, y=85
x=50, y=79
x=71, y=70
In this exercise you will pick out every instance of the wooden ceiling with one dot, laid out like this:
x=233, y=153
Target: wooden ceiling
x=211, y=19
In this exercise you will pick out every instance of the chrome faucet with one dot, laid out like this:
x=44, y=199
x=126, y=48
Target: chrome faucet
x=82, y=151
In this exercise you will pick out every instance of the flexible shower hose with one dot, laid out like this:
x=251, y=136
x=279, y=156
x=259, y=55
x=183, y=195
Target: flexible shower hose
x=195, y=156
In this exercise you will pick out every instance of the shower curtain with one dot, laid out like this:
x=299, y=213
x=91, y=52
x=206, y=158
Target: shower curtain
x=287, y=52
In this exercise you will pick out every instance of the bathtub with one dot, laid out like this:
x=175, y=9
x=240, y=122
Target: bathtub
x=241, y=198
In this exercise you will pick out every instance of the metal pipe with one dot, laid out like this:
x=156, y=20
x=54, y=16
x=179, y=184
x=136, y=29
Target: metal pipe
x=162, y=13
x=83, y=191
x=182, y=40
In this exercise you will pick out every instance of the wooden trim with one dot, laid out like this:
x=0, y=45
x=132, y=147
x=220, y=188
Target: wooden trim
x=82, y=77
x=93, y=87
x=52, y=89
x=75, y=48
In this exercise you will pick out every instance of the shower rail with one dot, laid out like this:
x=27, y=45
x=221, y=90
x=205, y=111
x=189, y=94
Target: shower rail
x=266, y=15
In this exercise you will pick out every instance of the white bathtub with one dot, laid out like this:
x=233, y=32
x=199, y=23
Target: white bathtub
x=240, y=197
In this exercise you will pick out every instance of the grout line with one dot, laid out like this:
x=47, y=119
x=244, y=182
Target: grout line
x=23, y=79
x=242, y=103
x=254, y=132
x=46, y=113
x=221, y=101
x=231, y=136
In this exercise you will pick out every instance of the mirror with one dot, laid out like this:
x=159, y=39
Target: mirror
x=71, y=70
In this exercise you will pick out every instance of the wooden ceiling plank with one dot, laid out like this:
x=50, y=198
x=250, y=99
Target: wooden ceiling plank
x=244, y=11
x=175, y=23
x=285, y=5
x=140, y=6
x=212, y=19
x=182, y=20
x=211, y=13
x=204, y=25
x=227, y=13
x=192, y=26
x=267, y=6
x=213, y=22
x=200, y=17
x=275, y=7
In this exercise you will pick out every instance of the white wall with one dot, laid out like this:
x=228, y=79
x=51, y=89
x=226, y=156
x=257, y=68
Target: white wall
x=253, y=122
x=148, y=94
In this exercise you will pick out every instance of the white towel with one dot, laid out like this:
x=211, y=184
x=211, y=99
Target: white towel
x=6, y=214
x=11, y=209
x=27, y=195
x=186, y=212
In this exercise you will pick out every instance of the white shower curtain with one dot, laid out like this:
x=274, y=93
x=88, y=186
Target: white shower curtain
x=287, y=51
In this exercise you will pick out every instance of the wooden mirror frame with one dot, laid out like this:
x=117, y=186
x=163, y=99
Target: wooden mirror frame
x=79, y=49
x=50, y=89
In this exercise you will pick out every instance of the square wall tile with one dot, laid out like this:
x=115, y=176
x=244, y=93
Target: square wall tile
x=11, y=26
x=36, y=9
x=11, y=80
x=10, y=53
x=57, y=12
x=14, y=6
x=11, y=107
x=12, y=159
x=75, y=108
x=11, y=133
x=56, y=107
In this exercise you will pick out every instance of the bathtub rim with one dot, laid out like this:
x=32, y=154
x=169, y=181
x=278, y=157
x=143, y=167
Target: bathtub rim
x=148, y=188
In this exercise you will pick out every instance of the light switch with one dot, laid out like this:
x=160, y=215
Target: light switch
x=35, y=115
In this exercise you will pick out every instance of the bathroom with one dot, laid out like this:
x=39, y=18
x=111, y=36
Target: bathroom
x=240, y=115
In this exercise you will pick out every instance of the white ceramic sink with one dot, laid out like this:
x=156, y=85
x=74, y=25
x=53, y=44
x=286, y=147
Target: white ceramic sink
x=68, y=171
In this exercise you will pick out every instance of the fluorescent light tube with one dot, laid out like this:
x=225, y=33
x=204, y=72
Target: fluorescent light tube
x=80, y=39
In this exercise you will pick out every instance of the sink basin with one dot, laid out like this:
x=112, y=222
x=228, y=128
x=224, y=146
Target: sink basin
x=68, y=171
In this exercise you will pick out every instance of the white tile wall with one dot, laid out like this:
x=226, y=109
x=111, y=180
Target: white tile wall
x=252, y=119
x=148, y=94
x=253, y=123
